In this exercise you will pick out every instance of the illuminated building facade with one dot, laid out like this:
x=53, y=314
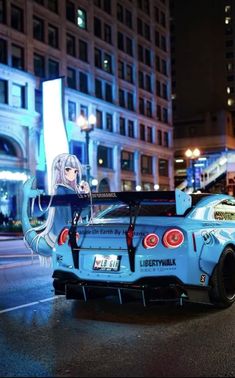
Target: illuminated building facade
x=114, y=58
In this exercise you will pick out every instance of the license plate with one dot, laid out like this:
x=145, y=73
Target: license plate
x=110, y=263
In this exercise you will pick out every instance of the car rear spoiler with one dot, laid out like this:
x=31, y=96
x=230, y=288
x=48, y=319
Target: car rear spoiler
x=180, y=199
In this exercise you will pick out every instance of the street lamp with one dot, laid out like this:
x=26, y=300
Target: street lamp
x=87, y=125
x=193, y=155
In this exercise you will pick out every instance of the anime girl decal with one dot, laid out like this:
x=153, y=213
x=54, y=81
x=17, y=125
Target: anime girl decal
x=66, y=179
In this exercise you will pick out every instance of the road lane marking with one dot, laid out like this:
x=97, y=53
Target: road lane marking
x=30, y=304
x=14, y=265
x=13, y=256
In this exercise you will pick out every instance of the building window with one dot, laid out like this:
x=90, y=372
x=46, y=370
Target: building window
x=149, y=109
x=98, y=88
x=107, y=6
x=70, y=45
x=53, y=36
x=83, y=54
x=120, y=41
x=17, y=57
x=7, y=148
x=53, y=69
x=39, y=65
x=148, y=57
x=120, y=12
x=17, y=18
x=146, y=164
x=120, y=69
x=129, y=46
x=140, y=53
x=71, y=78
x=98, y=58
x=104, y=157
x=97, y=27
x=166, y=139
x=84, y=110
x=129, y=73
x=109, y=122
x=159, y=113
x=159, y=137
x=164, y=91
x=81, y=19
x=3, y=91
x=107, y=33
x=122, y=126
x=141, y=106
x=38, y=101
x=108, y=92
x=83, y=82
x=122, y=98
x=128, y=18
x=107, y=63
x=127, y=185
x=70, y=11
x=142, y=132
x=18, y=96
x=53, y=5
x=141, y=79
x=130, y=101
x=99, y=119
x=165, y=115
x=163, y=168
x=127, y=161
x=3, y=51
x=72, y=111
x=131, y=129
x=148, y=85
x=149, y=134
x=38, y=29
x=3, y=11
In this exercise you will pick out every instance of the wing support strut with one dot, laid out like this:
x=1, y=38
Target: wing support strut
x=134, y=211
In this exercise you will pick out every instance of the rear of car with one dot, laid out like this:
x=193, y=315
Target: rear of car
x=148, y=252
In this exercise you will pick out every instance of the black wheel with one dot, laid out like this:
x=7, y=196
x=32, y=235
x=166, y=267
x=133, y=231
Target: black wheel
x=222, y=292
x=59, y=287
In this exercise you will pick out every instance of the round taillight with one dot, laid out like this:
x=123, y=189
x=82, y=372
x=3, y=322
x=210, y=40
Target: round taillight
x=173, y=238
x=150, y=241
x=63, y=236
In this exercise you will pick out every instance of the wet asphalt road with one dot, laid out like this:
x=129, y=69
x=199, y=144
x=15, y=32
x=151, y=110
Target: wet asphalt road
x=44, y=336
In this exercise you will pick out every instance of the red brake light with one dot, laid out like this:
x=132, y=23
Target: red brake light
x=63, y=236
x=173, y=238
x=150, y=241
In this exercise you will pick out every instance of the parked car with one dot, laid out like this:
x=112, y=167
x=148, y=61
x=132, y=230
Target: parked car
x=157, y=246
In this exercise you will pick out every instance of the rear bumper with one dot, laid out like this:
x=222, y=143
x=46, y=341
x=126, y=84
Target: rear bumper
x=148, y=289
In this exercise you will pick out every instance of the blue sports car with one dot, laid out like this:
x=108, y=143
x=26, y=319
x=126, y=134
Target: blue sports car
x=156, y=246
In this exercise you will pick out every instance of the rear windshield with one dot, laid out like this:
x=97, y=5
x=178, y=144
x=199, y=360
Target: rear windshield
x=144, y=211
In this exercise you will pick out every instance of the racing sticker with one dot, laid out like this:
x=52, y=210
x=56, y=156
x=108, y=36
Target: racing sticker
x=157, y=264
x=203, y=278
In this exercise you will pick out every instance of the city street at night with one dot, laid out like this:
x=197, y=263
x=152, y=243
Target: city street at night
x=47, y=336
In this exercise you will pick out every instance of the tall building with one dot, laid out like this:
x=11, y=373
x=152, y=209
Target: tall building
x=203, y=79
x=114, y=57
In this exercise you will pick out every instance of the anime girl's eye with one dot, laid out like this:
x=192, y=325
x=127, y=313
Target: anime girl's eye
x=67, y=169
x=75, y=171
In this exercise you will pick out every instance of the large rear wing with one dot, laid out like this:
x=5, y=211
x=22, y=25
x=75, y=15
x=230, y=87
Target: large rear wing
x=181, y=200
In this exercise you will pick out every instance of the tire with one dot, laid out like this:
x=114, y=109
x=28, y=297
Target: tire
x=59, y=287
x=222, y=293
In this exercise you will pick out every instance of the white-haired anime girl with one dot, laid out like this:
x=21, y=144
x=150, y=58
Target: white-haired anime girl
x=66, y=179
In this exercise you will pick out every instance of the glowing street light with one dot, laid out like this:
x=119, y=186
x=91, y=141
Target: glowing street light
x=193, y=155
x=87, y=125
